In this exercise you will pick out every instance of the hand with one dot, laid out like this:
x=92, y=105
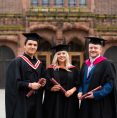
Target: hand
x=69, y=93
x=90, y=95
x=79, y=95
x=44, y=82
x=35, y=86
x=56, y=88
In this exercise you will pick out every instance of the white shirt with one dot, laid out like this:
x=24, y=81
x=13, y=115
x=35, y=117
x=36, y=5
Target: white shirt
x=91, y=65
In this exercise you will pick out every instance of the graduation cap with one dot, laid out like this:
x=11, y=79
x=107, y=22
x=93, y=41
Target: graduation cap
x=96, y=41
x=32, y=36
x=60, y=47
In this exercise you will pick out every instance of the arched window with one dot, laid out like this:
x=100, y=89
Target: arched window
x=111, y=54
x=6, y=55
x=72, y=3
x=82, y=2
x=45, y=2
x=34, y=2
x=59, y=2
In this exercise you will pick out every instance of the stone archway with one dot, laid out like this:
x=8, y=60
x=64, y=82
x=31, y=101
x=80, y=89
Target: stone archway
x=6, y=55
x=46, y=31
x=75, y=37
x=69, y=33
x=111, y=54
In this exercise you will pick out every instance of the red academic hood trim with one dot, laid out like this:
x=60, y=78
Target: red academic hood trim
x=29, y=62
x=98, y=60
x=51, y=66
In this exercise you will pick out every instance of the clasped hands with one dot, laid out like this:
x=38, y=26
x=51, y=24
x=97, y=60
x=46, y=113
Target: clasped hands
x=68, y=93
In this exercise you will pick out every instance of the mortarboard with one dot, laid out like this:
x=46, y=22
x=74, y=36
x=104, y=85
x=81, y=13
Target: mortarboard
x=32, y=36
x=60, y=47
x=96, y=41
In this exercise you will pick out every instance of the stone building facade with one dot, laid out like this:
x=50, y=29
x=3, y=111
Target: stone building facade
x=57, y=21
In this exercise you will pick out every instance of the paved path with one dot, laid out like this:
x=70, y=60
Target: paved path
x=2, y=103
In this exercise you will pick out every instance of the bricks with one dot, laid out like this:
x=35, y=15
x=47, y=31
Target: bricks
x=105, y=6
x=10, y=6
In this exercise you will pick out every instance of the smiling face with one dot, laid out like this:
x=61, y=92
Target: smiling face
x=61, y=56
x=31, y=47
x=94, y=50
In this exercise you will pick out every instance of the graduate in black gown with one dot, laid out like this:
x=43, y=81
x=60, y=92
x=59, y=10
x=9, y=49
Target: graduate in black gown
x=98, y=71
x=59, y=104
x=22, y=76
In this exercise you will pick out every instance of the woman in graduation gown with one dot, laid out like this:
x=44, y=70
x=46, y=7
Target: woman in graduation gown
x=98, y=71
x=23, y=74
x=58, y=103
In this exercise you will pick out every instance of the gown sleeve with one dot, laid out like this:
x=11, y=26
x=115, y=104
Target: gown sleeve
x=21, y=85
x=107, y=87
x=11, y=89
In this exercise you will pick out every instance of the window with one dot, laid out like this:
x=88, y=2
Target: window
x=45, y=57
x=72, y=3
x=45, y=2
x=34, y=2
x=76, y=58
x=59, y=3
x=82, y=2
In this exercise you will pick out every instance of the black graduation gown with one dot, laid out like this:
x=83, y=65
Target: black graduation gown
x=56, y=105
x=19, y=75
x=105, y=107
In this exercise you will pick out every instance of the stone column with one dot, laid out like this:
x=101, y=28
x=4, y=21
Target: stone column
x=59, y=36
x=26, y=4
x=65, y=3
x=51, y=3
x=92, y=6
x=77, y=3
x=40, y=2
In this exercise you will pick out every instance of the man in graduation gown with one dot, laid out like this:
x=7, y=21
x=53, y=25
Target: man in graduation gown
x=22, y=76
x=97, y=71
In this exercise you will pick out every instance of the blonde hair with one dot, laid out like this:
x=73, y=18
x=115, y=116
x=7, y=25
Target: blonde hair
x=56, y=64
